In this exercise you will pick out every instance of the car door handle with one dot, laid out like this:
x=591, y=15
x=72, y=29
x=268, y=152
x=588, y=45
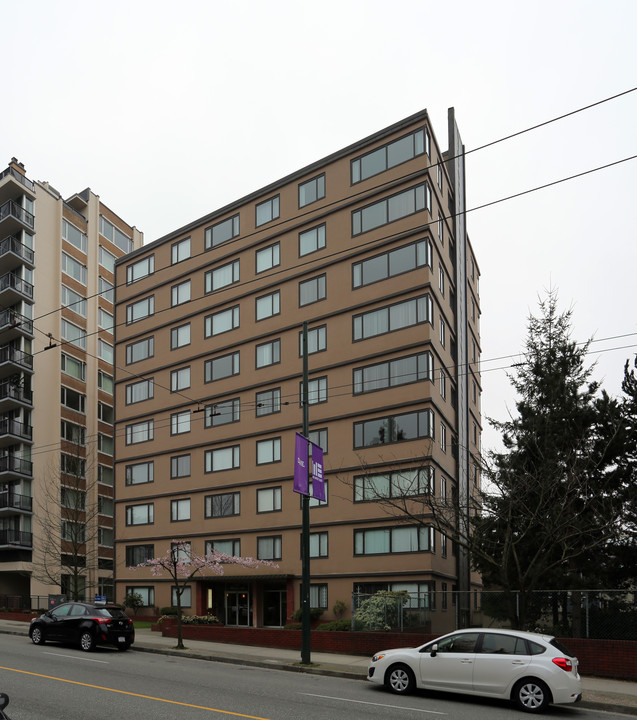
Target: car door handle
x=518, y=662
x=466, y=660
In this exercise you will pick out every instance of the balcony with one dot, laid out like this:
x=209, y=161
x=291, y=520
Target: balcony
x=13, y=217
x=13, y=467
x=14, y=361
x=13, y=289
x=15, y=502
x=15, y=538
x=13, y=396
x=14, y=253
x=13, y=431
x=14, y=325
x=14, y=184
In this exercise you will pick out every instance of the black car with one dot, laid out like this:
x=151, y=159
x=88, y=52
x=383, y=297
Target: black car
x=84, y=624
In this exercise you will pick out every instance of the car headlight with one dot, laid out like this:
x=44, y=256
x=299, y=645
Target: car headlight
x=376, y=658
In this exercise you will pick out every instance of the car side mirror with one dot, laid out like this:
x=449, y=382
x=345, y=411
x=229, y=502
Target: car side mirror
x=434, y=650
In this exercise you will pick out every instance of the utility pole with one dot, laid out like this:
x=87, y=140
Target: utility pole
x=305, y=505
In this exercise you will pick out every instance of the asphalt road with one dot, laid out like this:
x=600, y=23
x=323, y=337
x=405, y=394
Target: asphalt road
x=54, y=682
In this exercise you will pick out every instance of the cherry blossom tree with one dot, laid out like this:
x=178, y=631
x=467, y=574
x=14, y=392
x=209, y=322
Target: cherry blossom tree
x=182, y=565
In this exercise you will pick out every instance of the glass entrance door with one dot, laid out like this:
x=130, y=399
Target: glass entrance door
x=238, y=608
x=274, y=608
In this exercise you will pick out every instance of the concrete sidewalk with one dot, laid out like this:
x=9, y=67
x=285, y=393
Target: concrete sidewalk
x=598, y=693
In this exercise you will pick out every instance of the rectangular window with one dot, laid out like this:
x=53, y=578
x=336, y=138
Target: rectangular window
x=179, y=466
x=268, y=305
x=140, y=269
x=76, y=237
x=391, y=209
x=105, y=382
x=72, y=465
x=105, y=413
x=443, y=437
x=441, y=280
x=221, y=367
x=316, y=391
x=392, y=540
x=73, y=433
x=407, y=313
x=315, y=502
x=105, y=444
x=268, y=451
x=139, y=310
x=311, y=190
x=140, y=473
x=269, y=548
x=107, y=259
x=221, y=322
x=394, y=429
x=137, y=554
x=316, y=340
x=106, y=290
x=222, y=232
x=318, y=546
x=222, y=413
x=268, y=257
x=73, y=301
x=318, y=596
x=395, y=262
x=180, y=294
x=73, y=532
x=228, y=458
x=319, y=437
x=223, y=505
x=140, y=514
x=400, y=484
x=105, y=475
x=180, y=336
x=268, y=353
x=147, y=594
x=402, y=371
x=115, y=235
x=443, y=333
x=180, y=251
x=105, y=506
x=73, y=334
x=313, y=290
x=441, y=229
x=140, y=350
x=180, y=379
x=269, y=499
x=73, y=268
x=105, y=351
x=180, y=423
x=180, y=510
x=226, y=547
x=267, y=211
x=73, y=367
x=392, y=154
x=443, y=384
x=105, y=320
x=72, y=399
x=186, y=597
x=311, y=240
x=139, y=432
x=221, y=277
x=268, y=402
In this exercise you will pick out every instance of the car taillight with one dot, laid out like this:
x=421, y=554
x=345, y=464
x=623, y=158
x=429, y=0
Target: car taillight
x=563, y=663
x=101, y=620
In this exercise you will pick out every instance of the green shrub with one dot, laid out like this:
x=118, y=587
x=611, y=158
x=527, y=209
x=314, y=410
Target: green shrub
x=293, y=626
x=315, y=614
x=340, y=625
x=339, y=609
x=200, y=620
x=169, y=610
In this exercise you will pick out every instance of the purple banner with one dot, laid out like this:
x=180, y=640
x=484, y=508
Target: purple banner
x=318, y=479
x=300, y=465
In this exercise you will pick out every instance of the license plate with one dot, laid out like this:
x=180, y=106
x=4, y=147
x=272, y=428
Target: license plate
x=121, y=638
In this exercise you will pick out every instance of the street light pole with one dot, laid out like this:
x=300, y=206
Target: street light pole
x=305, y=505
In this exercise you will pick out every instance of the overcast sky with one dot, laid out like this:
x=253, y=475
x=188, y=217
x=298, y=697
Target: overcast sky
x=170, y=110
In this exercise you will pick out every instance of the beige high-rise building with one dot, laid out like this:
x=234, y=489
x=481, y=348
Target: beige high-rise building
x=367, y=246
x=57, y=262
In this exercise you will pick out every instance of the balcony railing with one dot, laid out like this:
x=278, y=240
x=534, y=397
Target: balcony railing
x=12, y=209
x=10, y=426
x=9, y=499
x=12, y=391
x=14, y=282
x=11, y=319
x=16, y=537
x=11, y=463
x=12, y=244
x=10, y=354
x=19, y=177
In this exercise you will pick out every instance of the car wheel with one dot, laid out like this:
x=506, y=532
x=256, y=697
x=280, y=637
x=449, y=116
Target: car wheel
x=531, y=695
x=87, y=641
x=400, y=679
x=37, y=636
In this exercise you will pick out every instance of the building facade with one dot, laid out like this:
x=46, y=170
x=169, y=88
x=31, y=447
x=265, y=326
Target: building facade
x=56, y=389
x=367, y=247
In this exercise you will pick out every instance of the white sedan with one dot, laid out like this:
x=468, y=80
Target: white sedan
x=530, y=669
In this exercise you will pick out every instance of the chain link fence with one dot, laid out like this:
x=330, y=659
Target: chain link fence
x=601, y=614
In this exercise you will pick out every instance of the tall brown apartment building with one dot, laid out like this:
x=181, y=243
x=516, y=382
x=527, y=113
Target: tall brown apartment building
x=368, y=246
x=57, y=263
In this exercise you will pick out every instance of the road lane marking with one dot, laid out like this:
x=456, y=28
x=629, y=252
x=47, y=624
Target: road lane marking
x=382, y=705
x=76, y=657
x=132, y=694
